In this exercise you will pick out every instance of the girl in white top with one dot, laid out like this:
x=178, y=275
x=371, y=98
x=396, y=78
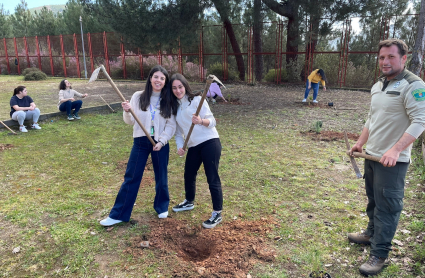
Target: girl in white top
x=203, y=147
x=67, y=100
x=153, y=107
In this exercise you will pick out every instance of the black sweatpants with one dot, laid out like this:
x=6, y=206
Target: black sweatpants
x=208, y=153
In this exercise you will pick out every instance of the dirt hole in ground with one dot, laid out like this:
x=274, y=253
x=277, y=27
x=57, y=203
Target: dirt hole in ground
x=4, y=147
x=230, y=249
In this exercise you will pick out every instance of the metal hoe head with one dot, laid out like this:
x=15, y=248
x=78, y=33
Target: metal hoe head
x=95, y=74
x=214, y=78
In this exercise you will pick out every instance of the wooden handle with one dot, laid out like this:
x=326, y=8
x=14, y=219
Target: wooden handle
x=7, y=127
x=366, y=156
x=204, y=95
x=124, y=100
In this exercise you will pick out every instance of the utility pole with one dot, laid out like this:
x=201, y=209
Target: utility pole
x=82, y=42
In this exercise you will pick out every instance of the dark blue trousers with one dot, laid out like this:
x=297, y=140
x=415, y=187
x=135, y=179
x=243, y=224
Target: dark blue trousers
x=127, y=195
x=69, y=105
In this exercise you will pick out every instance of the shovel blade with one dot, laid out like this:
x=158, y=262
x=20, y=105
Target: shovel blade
x=94, y=74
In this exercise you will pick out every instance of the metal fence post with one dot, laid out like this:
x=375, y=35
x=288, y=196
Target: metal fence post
x=7, y=56
x=63, y=56
x=76, y=56
x=50, y=55
x=17, y=55
x=38, y=52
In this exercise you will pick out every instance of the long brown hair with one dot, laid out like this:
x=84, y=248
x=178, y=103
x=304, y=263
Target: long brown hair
x=165, y=104
x=190, y=94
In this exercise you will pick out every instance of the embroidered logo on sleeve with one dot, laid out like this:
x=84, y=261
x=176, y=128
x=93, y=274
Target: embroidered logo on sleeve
x=419, y=94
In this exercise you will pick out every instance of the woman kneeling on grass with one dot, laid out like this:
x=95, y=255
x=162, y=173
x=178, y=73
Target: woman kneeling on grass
x=23, y=108
x=67, y=102
x=153, y=107
x=203, y=147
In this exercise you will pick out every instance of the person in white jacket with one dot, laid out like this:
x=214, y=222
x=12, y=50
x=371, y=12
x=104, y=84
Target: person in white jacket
x=203, y=147
x=153, y=107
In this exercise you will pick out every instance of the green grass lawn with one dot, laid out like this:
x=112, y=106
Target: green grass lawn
x=58, y=182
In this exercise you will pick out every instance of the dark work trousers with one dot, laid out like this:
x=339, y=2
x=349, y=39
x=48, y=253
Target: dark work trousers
x=385, y=192
x=208, y=153
x=69, y=105
x=127, y=195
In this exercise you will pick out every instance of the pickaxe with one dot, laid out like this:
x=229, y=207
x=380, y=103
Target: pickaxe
x=210, y=79
x=13, y=133
x=94, y=77
x=357, y=154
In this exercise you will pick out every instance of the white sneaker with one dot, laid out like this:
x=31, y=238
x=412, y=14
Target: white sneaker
x=304, y=100
x=214, y=101
x=163, y=215
x=23, y=129
x=35, y=126
x=315, y=101
x=109, y=221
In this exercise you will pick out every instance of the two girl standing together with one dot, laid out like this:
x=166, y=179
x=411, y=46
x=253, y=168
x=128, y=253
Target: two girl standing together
x=166, y=108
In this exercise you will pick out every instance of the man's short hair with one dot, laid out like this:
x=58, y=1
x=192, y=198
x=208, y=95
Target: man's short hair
x=401, y=45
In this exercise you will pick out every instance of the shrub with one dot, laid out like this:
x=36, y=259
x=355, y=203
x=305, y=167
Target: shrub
x=29, y=70
x=271, y=75
x=32, y=74
x=217, y=70
x=317, y=126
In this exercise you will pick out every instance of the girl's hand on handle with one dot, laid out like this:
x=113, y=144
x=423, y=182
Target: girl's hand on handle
x=126, y=106
x=196, y=119
x=181, y=152
x=157, y=147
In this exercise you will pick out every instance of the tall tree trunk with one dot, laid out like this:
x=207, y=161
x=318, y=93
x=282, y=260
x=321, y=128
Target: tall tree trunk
x=235, y=46
x=418, y=51
x=293, y=34
x=311, y=46
x=223, y=10
x=258, y=44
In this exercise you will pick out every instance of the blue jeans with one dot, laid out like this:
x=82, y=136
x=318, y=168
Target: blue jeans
x=21, y=116
x=315, y=87
x=69, y=105
x=127, y=195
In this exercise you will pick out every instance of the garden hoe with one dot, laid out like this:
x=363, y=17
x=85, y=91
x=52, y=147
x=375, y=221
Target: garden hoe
x=210, y=79
x=113, y=111
x=357, y=154
x=13, y=133
x=94, y=77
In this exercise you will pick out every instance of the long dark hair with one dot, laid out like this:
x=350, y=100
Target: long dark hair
x=18, y=89
x=62, y=85
x=190, y=94
x=165, y=104
x=322, y=74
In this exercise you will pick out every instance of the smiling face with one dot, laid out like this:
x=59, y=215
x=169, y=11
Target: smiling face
x=158, y=81
x=178, y=89
x=390, y=61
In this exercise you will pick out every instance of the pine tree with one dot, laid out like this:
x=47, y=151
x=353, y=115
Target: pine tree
x=21, y=21
x=4, y=23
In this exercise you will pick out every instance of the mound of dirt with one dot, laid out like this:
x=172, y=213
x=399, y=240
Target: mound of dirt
x=329, y=135
x=229, y=250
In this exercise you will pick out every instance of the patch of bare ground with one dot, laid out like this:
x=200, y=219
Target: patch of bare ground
x=229, y=250
x=329, y=135
x=4, y=147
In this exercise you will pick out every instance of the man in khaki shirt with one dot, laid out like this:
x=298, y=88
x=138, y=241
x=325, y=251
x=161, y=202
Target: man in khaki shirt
x=396, y=118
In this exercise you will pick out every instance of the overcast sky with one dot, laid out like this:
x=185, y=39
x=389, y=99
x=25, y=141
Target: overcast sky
x=10, y=5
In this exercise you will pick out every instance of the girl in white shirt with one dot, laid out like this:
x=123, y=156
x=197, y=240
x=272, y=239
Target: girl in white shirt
x=153, y=107
x=203, y=147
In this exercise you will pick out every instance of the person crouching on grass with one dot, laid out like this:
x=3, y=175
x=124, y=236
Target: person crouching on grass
x=67, y=102
x=214, y=92
x=203, y=147
x=23, y=108
x=153, y=107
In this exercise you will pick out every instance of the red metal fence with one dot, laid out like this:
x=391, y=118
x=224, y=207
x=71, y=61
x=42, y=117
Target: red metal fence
x=62, y=55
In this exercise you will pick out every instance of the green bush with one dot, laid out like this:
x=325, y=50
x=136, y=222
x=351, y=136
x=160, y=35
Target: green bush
x=29, y=70
x=217, y=70
x=271, y=75
x=32, y=74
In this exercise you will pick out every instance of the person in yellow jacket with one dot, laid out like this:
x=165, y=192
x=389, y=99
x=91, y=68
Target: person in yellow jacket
x=313, y=80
